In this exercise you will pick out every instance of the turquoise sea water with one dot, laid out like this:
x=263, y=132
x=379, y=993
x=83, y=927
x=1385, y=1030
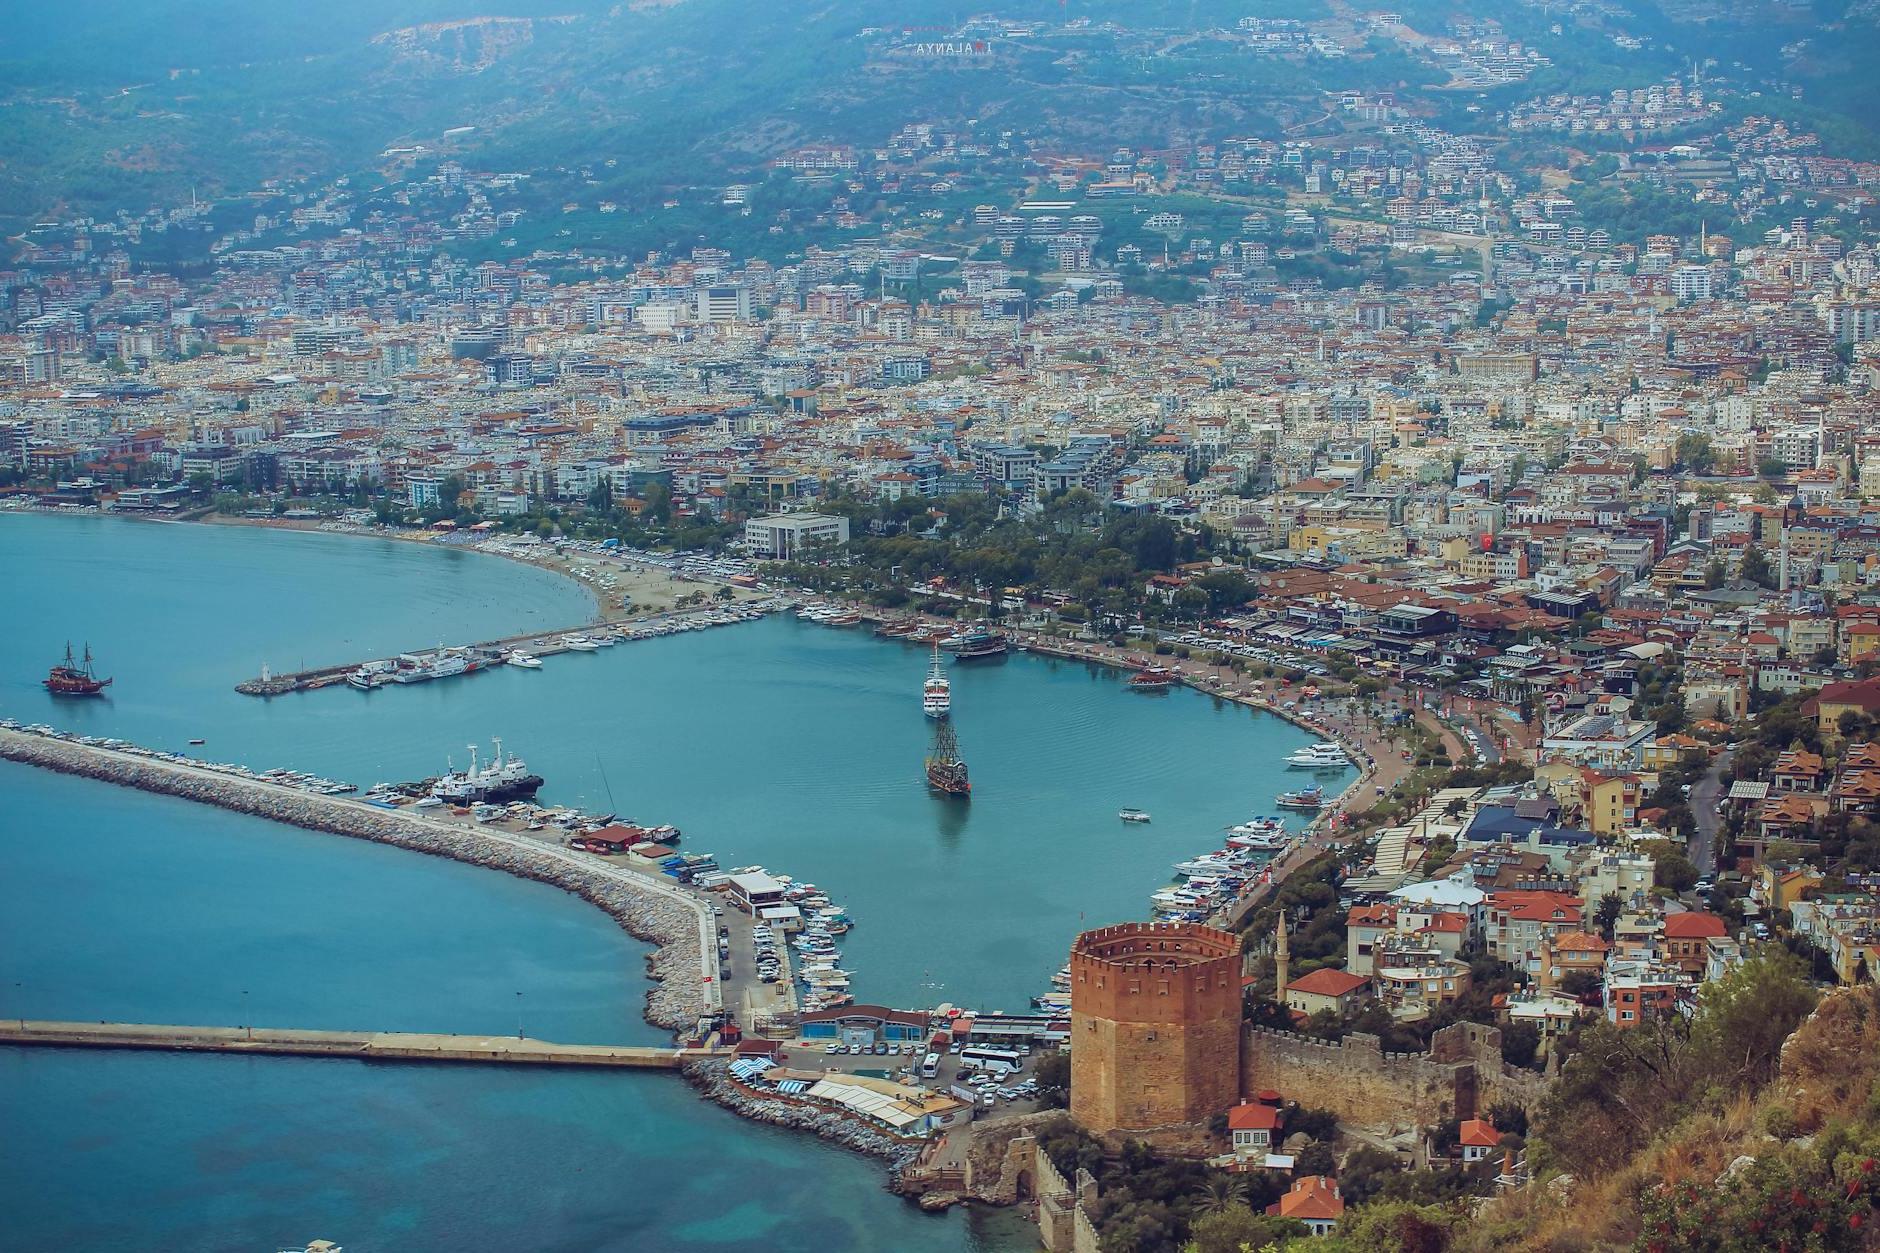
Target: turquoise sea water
x=777, y=742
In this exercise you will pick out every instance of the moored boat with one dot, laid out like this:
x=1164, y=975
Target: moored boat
x=1153, y=679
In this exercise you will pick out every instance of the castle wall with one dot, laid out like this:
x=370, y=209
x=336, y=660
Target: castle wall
x=1461, y=1076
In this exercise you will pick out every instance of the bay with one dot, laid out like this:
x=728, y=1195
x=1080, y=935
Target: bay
x=777, y=742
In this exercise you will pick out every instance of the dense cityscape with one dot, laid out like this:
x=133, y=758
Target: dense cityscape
x=1462, y=418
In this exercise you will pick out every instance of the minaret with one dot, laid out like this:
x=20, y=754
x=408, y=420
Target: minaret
x=1282, y=960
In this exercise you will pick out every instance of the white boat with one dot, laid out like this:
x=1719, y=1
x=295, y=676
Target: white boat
x=525, y=661
x=1319, y=757
x=579, y=644
x=428, y=802
x=1132, y=815
x=936, y=698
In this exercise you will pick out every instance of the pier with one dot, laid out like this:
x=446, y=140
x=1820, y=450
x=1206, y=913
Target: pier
x=490, y=654
x=368, y=1046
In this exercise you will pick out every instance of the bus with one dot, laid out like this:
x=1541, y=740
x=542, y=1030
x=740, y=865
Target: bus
x=930, y=1065
x=998, y=1061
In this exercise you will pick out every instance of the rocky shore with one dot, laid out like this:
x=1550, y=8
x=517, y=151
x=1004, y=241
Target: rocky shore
x=646, y=912
x=713, y=1079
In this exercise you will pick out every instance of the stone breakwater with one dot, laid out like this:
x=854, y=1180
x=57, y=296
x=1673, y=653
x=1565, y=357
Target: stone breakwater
x=645, y=911
x=713, y=1079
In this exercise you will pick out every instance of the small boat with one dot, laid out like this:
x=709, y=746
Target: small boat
x=428, y=802
x=1132, y=815
x=1305, y=798
x=199, y=741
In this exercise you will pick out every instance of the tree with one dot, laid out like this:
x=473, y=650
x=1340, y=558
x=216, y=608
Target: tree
x=1675, y=871
x=1399, y=1227
x=1220, y=1194
x=1744, y=1017
x=1316, y=1158
x=1519, y=1042
x=1606, y=914
x=1238, y=1229
x=1755, y=568
x=1053, y=1073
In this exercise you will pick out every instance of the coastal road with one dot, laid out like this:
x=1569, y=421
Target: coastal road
x=1704, y=795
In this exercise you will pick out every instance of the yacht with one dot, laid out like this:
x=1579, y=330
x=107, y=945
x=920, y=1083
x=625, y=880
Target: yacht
x=579, y=644
x=1132, y=815
x=1323, y=756
x=526, y=661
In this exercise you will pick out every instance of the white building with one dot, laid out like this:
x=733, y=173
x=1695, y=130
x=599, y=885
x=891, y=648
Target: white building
x=786, y=536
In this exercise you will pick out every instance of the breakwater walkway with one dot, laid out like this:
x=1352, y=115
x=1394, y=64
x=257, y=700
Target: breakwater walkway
x=375, y=1046
x=683, y=965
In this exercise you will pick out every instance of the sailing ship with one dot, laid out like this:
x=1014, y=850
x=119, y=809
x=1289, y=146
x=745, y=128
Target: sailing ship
x=946, y=772
x=936, y=696
x=74, y=677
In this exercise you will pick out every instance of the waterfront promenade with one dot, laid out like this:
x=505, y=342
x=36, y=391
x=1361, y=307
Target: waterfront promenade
x=371, y=1046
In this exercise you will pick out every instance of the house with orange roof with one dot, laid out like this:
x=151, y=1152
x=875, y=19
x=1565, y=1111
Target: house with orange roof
x=1314, y=1201
x=1686, y=939
x=1253, y=1126
x=1572, y=951
x=1339, y=991
x=1477, y=1138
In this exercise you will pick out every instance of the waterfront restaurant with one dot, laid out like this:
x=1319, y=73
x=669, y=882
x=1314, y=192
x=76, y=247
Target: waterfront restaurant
x=866, y=1025
x=754, y=890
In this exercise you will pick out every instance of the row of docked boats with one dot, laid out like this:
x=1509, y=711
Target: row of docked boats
x=299, y=780
x=444, y=663
x=821, y=981
x=1211, y=881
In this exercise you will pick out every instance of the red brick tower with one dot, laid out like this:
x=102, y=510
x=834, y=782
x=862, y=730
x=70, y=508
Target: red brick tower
x=1155, y=1025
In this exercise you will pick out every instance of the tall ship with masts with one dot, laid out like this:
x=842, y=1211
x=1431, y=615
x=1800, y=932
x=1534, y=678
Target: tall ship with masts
x=936, y=695
x=946, y=771
x=74, y=677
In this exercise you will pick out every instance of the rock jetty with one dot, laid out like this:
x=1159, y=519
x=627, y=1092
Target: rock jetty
x=647, y=911
x=713, y=1078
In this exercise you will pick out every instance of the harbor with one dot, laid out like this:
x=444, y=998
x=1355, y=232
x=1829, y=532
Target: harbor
x=1055, y=750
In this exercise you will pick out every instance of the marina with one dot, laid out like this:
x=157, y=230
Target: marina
x=521, y=651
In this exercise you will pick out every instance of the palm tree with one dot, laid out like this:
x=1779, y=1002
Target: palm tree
x=1220, y=1194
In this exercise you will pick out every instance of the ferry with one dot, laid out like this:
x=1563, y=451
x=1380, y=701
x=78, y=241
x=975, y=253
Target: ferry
x=1132, y=815
x=74, y=677
x=936, y=698
x=977, y=642
x=1305, y=798
x=1153, y=679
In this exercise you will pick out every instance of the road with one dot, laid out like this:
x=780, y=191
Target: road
x=1704, y=794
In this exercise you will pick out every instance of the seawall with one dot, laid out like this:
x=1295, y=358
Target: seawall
x=664, y=917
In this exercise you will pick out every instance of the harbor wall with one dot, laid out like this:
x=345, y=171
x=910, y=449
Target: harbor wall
x=1460, y=1077
x=661, y=917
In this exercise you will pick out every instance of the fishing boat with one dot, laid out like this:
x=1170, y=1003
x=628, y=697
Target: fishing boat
x=503, y=779
x=1132, y=815
x=1305, y=798
x=946, y=772
x=75, y=677
x=1153, y=679
x=936, y=697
